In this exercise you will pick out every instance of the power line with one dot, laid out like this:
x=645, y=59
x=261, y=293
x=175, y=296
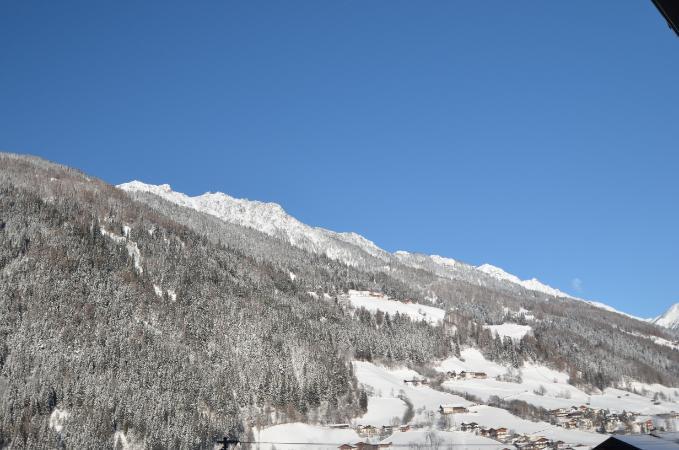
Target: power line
x=337, y=444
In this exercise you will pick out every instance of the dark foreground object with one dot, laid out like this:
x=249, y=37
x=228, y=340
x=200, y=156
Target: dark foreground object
x=660, y=441
x=670, y=11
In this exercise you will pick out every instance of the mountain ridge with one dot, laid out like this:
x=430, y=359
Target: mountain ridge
x=272, y=219
x=668, y=319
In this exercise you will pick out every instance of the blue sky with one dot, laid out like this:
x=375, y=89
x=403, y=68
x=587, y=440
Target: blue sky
x=537, y=136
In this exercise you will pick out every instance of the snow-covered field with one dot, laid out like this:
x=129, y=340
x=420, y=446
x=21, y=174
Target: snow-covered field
x=443, y=439
x=557, y=392
x=325, y=438
x=374, y=302
x=511, y=330
x=387, y=383
x=386, y=406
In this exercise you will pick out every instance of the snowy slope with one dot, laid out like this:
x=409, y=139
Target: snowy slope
x=374, y=302
x=349, y=248
x=271, y=219
x=557, y=392
x=670, y=319
x=532, y=285
x=387, y=383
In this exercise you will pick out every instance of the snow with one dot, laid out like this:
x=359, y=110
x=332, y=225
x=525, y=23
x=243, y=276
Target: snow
x=158, y=290
x=271, y=219
x=511, y=330
x=124, y=441
x=386, y=383
x=467, y=441
x=443, y=261
x=58, y=419
x=326, y=438
x=374, y=302
x=471, y=361
x=131, y=246
x=172, y=294
x=669, y=319
x=558, y=393
x=382, y=410
x=292, y=276
x=533, y=284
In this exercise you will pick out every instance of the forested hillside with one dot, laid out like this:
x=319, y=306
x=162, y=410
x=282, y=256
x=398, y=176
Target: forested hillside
x=128, y=315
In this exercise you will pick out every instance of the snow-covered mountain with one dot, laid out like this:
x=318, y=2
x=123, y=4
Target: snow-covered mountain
x=349, y=248
x=532, y=285
x=271, y=219
x=669, y=319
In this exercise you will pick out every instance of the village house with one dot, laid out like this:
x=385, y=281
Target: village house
x=452, y=409
x=585, y=424
x=500, y=433
x=404, y=428
x=346, y=447
x=541, y=442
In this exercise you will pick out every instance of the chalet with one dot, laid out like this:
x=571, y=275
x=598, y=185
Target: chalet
x=346, y=447
x=339, y=426
x=585, y=423
x=541, y=442
x=451, y=409
x=480, y=375
x=414, y=382
x=404, y=428
x=500, y=433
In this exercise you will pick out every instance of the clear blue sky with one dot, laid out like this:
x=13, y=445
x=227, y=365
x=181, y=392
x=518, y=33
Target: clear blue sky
x=542, y=137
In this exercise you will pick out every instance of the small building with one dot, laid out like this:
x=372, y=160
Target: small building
x=480, y=375
x=346, y=447
x=501, y=433
x=404, y=428
x=452, y=409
